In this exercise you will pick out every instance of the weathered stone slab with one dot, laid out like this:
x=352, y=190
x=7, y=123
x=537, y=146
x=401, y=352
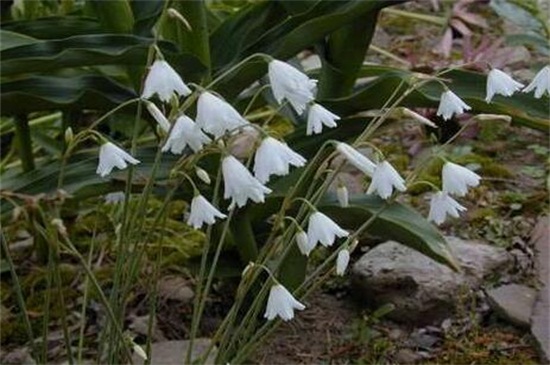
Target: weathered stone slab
x=174, y=352
x=513, y=302
x=422, y=290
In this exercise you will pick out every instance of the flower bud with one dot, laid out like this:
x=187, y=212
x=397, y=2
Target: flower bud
x=203, y=175
x=69, y=135
x=343, y=196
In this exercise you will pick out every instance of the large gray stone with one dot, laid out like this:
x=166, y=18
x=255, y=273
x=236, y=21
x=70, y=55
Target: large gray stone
x=422, y=290
x=513, y=302
x=540, y=319
x=174, y=352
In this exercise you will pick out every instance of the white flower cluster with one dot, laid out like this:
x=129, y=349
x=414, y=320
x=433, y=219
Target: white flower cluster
x=455, y=180
x=384, y=177
x=498, y=83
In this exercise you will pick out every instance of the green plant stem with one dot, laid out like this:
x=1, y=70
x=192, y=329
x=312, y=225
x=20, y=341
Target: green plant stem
x=204, y=293
x=389, y=55
x=18, y=294
x=102, y=297
x=85, y=298
x=234, y=68
x=154, y=293
x=417, y=16
x=195, y=321
x=24, y=142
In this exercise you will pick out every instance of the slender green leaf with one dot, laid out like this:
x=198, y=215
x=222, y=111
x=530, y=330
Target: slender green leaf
x=55, y=27
x=37, y=93
x=397, y=222
x=11, y=40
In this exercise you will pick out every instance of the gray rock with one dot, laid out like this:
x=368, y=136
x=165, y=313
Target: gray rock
x=174, y=352
x=422, y=290
x=540, y=319
x=513, y=302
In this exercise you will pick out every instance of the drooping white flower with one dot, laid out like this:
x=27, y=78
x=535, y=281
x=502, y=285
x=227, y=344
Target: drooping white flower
x=540, y=83
x=216, y=116
x=185, y=133
x=111, y=156
x=281, y=303
x=385, y=179
x=442, y=204
x=240, y=185
x=274, y=158
x=450, y=104
x=323, y=229
x=290, y=84
x=318, y=116
x=499, y=82
x=342, y=261
x=203, y=212
x=303, y=243
x=342, y=195
x=158, y=116
x=456, y=179
x=164, y=81
x=356, y=158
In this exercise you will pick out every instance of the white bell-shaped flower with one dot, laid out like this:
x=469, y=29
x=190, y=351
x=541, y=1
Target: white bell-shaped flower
x=111, y=156
x=456, y=179
x=216, y=116
x=441, y=205
x=274, y=158
x=290, y=84
x=115, y=197
x=323, y=229
x=317, y=117
x=499, y=82
x=303, y=243
x=356, y=158
x=158, y=116
x=164, y=81
x=342, y=261
x=185, y=133
x=240, y=185
x=450, y=104
x=540, y=83
x=281, y=303
x=203, y=212
x=384, y=180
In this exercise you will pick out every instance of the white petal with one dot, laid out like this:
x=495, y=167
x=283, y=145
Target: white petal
x=324, y=230
x=240, y=185
x=111, y=156
x=163, y=81
x=319, y=116
x=342, y=261
x=158, y=116
x=216, y=116
x=499, y=82
x=281, y=303
x=384, y=180
x=540, y=83
x=273, y=158
x=290, y=84
x=456, y=179
x=357, y=159
x=450, y=104
x=203, y=212
x=441, y=205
